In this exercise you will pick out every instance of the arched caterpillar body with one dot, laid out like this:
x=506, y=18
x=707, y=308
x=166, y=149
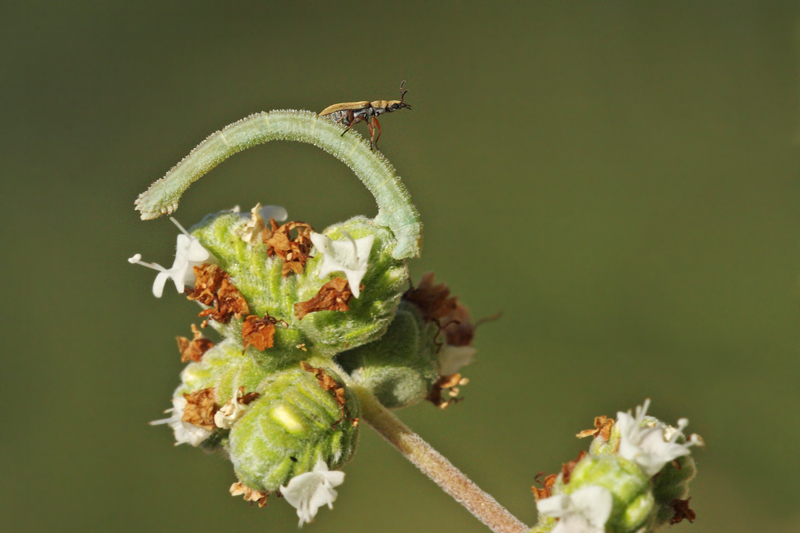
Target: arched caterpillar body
x=395, y=210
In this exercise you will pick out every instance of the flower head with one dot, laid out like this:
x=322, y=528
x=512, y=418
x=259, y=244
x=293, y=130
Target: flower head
x=310, y=491
x=184, y=431
x=188, y=254
x=584, y=511
x=649, y=443
x=349, y=256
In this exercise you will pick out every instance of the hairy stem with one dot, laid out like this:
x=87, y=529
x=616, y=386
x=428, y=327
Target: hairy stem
x=435, y=466
x=395, y=209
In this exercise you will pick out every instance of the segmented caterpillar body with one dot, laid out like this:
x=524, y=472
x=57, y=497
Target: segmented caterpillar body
x=395, y=209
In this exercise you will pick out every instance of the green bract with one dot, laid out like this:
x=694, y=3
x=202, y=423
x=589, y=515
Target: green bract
x=370, y=313
x=292, y=425
x=629, y=486
x=400, y=368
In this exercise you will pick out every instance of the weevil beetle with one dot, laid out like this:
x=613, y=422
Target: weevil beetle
x=351, y=113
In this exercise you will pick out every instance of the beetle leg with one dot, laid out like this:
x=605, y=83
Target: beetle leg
x=350, y=120
x=371, y=132
x=378, y=126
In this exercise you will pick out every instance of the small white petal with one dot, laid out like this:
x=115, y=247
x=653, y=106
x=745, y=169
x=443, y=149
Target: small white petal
x=651, y=444
x=231, y=412
x=160, y=281
x=273, y=211
x=584, y=511
x=309, y=491
x=453, y=358
x=349, y=256
x=184, y=431
x=188, y=254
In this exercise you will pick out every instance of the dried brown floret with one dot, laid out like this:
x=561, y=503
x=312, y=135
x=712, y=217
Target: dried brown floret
x=258, y=332
x=207, y=279
x=433, y=301
x=246, y=398
x=193, y=350
x=567, y=468
x=250, y=495
x=547, y=485
x=458, y=326
x=681, y=508
x=230, y=301
x=449, y=384
x=602, y=427
x=213, y=288
x=293, y=251
x=329, y=384
x=333, y=296
x=200, y=408
x=452, y=317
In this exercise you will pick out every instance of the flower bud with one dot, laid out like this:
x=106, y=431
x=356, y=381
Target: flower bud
x=224, y=369
x=662, y=443
x=401, y=367
x=290, y=427
x=633, y=502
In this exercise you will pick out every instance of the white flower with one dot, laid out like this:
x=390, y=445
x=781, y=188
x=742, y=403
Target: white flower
x=310, y=491
x=184, y=431
x=651, y=444
x=584, y=511
x=250, y=231
x=452, y=358
x=348, y=256
x=189, y=253
x=231, y=412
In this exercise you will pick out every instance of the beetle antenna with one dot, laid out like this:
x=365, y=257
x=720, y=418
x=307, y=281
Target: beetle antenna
x=402, y=92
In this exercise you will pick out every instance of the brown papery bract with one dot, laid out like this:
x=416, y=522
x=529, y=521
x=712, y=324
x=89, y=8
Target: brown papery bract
x=458, y=326
x=451, y=385
x=193, y=350
x=293, y=251
x=250, y=495
x=602, y=427
x=547, y=486
x=258, y=332
x=682, y=511
x=213, y=287
x=433, y=301
x=567, y=468
x=333, y=296
x=200, y=408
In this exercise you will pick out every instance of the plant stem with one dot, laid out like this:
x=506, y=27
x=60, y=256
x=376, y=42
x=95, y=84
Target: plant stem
x=435, y=466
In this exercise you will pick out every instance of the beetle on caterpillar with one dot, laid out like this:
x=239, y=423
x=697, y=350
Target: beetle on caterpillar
x=351, y=113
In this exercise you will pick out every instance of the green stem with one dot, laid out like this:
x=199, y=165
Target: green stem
x=395, y=209
x=435, y=466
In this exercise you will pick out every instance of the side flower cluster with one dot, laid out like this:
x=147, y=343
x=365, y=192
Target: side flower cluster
x=634, y=479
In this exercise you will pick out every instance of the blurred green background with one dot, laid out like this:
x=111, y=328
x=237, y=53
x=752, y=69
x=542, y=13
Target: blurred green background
x=619, y=178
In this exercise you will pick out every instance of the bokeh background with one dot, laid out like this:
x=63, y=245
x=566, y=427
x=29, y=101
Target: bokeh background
x=619, y=178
